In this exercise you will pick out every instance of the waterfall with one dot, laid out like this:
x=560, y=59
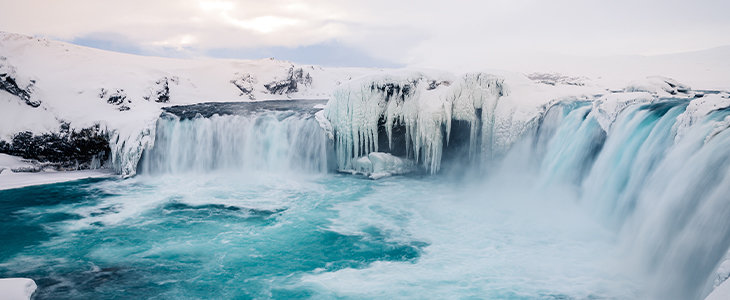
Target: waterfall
x=656, y=172
x=268, y=141
x=667, y=195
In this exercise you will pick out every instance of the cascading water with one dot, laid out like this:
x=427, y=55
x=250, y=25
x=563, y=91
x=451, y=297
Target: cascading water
x=661, y=183
x=583, y=203
x=667, y=195
x=258, y=142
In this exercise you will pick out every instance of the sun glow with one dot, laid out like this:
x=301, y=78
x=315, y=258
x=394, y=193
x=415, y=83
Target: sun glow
x=224, y=10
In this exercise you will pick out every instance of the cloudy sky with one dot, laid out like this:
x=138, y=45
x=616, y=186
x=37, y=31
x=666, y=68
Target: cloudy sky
x=384, y=33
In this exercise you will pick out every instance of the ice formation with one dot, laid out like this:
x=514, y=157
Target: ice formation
x=17, y=288
x=424, y=107
x=377, y=165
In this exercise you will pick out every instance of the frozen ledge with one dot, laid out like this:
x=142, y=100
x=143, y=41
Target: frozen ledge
x=11, y=180
x=721, y=292
x=17, y=288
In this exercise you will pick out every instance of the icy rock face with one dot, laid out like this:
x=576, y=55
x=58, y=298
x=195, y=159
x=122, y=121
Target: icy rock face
x=607, y=108
x=722, y=273
x=377, y=165
x=127, y=145
x=160, y=92
x=245, y=83
x=697, y=110
x=325, y=124
x=290, y=84
x=556, y=79
x=117, y=97
x=419, y=108
x=10, y=82
x=481, y=93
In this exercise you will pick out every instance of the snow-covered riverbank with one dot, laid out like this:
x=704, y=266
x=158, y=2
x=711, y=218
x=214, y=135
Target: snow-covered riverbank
x=10, y=179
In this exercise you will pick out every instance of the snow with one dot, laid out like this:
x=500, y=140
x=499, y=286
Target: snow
x=697, y=109
x=11, y=180
x=17, y=288
x=722, y=273
x=8, y=162
x=15, y=116
x=377, y=165
x=657, y=85
x=722, y=292
x=607, y=108
x=18, y=180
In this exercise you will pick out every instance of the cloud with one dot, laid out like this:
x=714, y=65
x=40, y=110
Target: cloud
x=332, y=54
x=423, y=33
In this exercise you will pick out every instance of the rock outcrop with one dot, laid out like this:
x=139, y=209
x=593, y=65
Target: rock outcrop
x=10, y=83
x=65, y=150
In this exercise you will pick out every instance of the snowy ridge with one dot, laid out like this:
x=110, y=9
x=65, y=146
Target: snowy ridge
x=657, y=85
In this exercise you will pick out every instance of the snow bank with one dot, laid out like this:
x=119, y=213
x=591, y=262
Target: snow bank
x=607, y=108
x=721, y=292
x=17, y=288
x=697, y=110
x=11, y=180
x=377, y=165
x=9, y=162
x=657, y=85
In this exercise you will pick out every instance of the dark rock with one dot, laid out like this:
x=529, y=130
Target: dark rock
x=291, y=83
x=398, y=145
x=556, y=78
x=9, y=84
x=207, y=110
x=245, y=83
x=391, y=89
x=119, y=97
x=433, y=84
x=66, y=149
x=160, y=93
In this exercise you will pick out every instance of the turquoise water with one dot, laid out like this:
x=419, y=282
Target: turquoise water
x=274, y=236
